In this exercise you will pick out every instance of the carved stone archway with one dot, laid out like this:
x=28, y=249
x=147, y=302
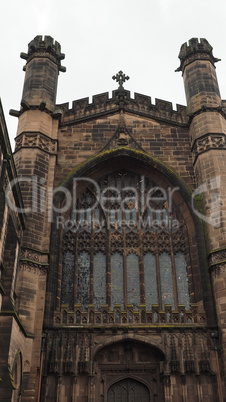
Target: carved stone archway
x=129, y=371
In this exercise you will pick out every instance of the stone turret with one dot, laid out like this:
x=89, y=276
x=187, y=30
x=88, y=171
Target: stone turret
x=37, y=132
x=43, y=65
x=207, y=132
x=35, y=158
x=207, y=127
x=198, y=69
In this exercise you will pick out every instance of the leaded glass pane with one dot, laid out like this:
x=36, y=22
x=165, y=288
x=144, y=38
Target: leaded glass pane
x=99, y=280
x=158, y=219
x=82, y=217
x=67, y=288
x=151, y=293
x=182, y=280
x=165, y=221
x=83, y=280
x=119, y=212
x=117, y=279
x=133, y=283
x=166, y=279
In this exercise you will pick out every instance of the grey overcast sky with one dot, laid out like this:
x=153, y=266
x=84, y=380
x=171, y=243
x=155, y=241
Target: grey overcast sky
x=101, y=37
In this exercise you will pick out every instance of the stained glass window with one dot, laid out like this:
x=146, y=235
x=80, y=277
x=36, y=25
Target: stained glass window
x=117, y=293
x=133, y=283
x=83, y=279
x=99, y=280
x=126, y=247
x=151, y=295
x=67, y=289
x=182, y=280
x=166, y=280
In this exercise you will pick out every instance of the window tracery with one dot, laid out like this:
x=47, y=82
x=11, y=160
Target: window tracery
x=126, y=246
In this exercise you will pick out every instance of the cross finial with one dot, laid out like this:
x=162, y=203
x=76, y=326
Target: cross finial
x=120, y=77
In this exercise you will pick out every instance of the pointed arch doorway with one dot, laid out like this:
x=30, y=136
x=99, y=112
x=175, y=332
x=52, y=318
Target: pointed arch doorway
x=128, y=370
x=128, y=390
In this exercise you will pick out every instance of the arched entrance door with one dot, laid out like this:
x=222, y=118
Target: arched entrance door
x=128, y=390
x=123, y=367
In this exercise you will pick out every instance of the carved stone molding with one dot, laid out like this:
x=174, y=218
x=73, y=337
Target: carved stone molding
x=217, y=257
x=217, y=261
x=34, y=256
x=218, y=269
x=211, y=141
x=30, y=254
x=36, y=140
x=166, y=380
x=108, y=318
x=35, y=269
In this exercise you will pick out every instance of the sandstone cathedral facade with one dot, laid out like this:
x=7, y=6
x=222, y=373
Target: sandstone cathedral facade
x=113, y=240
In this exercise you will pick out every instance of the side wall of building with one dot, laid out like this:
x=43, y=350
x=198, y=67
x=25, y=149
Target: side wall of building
x=13, y=334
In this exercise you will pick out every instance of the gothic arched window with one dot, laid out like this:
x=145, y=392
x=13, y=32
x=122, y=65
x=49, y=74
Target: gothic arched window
x=124, y=244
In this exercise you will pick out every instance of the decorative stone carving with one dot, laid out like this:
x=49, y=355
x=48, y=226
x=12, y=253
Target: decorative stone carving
x=34, y=268
x=108, y=318
x=217, y=257
x=83, y=364
x=30, y=255
x=211, y=141
x=33, y=258
x=218, y=268
x=120, y=78
x=36, y=140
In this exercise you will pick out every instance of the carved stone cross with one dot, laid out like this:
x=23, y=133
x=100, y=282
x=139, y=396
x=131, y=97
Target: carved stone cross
x=120, y=77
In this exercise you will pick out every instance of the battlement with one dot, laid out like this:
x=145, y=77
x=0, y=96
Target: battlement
x=193, y=48
x=140, y=104
x=44, y=45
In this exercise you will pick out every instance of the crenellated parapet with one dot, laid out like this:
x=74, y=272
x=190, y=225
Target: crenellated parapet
x=194, y=50
x=40, y=46
x=142, y=105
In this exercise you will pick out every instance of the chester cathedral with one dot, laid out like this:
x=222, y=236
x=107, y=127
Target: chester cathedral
x=113, y=240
